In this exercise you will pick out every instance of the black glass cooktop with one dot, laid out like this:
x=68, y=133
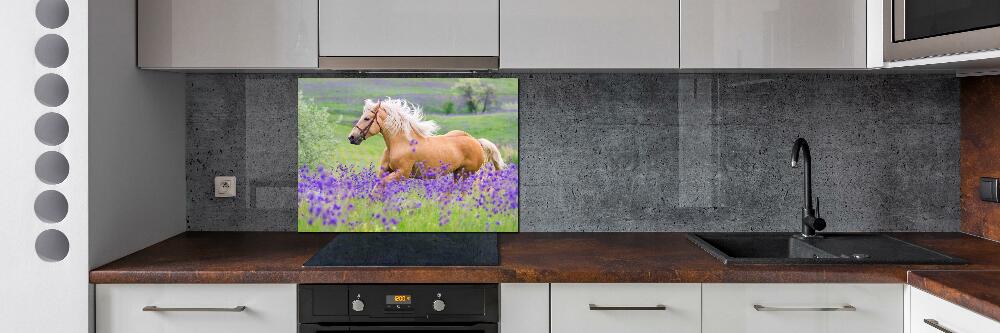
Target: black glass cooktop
x=408, y=249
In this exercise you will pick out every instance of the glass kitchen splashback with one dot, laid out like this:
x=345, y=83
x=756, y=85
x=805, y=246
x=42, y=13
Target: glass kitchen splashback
x=408, y=155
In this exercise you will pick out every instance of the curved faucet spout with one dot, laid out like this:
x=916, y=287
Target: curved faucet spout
x=810, y=222
x=807, y=188
x=800, y=144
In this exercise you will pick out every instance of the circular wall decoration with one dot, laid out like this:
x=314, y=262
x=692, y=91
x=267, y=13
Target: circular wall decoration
x=52, y=245
x=51, y=90
x=51, y=206
x=52, y=13
x=52, y=167
x=51, y=129
x=51, y=51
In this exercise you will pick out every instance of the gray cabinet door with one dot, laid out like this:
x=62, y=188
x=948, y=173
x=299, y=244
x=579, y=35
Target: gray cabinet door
x=228, y=33
x=773, y=34
x=589, y=34
x=409, y=28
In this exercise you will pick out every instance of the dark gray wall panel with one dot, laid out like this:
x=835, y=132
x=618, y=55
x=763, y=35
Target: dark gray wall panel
x=640, y=152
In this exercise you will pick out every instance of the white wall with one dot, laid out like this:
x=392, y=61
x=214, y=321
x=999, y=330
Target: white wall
x=38, y=295
x=125, y=150
x=137, y=187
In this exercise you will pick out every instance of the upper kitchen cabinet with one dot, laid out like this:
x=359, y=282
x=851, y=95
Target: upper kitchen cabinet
x=589, y=34
x=409, y=34
x=206, y=34
x=779, y=34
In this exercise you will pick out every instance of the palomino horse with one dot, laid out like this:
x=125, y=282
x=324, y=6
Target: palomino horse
x=412, y=148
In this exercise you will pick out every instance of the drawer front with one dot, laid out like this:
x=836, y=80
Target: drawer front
x=946, y=315
x=571, y=310
x=269, y=308
x=730, y=308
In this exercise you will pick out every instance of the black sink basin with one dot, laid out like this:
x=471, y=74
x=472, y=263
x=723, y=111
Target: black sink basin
x=785, y=248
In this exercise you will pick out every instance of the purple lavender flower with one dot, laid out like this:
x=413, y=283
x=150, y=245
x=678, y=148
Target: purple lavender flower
x=337, y=195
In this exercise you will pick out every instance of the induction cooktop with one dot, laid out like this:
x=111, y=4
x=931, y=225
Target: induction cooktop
x=408, y=249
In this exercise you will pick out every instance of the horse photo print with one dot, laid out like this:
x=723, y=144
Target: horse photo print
x=408, y=155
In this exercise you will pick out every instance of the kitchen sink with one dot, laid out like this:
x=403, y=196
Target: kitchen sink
x=837, y=248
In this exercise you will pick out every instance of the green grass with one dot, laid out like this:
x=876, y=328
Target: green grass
x=345, y=95
x=338, y=108
x=367, y=153
x=375, y=88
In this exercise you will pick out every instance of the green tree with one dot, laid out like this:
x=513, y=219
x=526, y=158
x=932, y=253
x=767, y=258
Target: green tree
x=487, y=96
x=316, y=141
x=476, y=95
x=467, y=91
x=448, y=107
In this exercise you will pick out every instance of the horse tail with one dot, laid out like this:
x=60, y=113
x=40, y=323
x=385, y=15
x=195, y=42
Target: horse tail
x=492, y=154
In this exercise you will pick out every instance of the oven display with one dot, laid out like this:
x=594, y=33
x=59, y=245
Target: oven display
x=398, y=299
x=397, y=303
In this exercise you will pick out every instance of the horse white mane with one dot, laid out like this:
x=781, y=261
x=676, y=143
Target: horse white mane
x=403, y=116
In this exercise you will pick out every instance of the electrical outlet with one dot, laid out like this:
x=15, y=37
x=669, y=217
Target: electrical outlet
x=225, y=187
x=988, y=189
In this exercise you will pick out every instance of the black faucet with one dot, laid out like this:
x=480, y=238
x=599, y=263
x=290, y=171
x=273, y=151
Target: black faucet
x=810, y=221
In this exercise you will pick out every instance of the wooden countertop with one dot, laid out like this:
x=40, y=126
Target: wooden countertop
x=277, y=257
x=978, y=291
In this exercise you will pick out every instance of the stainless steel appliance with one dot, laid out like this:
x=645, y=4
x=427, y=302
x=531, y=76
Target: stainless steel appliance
x=385, y=308
x=916, y=29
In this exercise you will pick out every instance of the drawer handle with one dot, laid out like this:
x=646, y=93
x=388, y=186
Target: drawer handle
x=848, y=307
x=660, y=307
x=240, y=308
x=935, y=324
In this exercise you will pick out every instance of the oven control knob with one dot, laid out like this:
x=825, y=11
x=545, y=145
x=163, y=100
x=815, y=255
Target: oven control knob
x=438, y=305
x=358, y=305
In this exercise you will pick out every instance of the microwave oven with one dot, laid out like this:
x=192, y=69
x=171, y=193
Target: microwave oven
x=915, y=29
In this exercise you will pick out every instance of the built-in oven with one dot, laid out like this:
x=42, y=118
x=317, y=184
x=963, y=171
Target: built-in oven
x=928, y=28
x=386, y=308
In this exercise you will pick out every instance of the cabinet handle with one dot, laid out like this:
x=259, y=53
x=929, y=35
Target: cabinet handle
x=594, y=307
x=935, y=324
x=240, y=308
x=848, y=307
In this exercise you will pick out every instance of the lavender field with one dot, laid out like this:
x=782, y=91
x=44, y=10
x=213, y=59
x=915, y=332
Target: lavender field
x=349, y=198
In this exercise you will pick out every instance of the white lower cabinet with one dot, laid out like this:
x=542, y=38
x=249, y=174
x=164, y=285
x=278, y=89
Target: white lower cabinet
x=570, y=308
x=196, y=308
x=930, y=314
x=816, y=308
x=625, y=307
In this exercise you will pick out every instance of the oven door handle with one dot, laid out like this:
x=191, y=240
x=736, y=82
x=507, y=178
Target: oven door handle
x=313, y=328
x=481, y=327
